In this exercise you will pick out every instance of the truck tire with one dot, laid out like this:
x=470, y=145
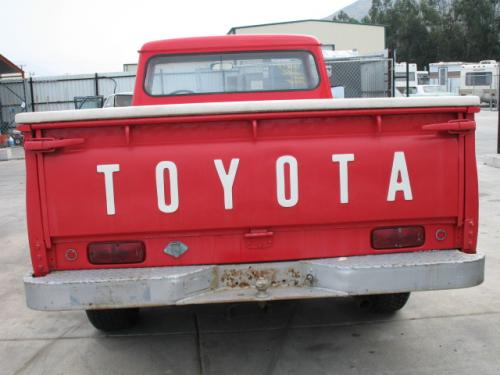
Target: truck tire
x=385, y=303
x=113, y=320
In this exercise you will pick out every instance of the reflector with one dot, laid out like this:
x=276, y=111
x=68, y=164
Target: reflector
x=116, y=252
x=398, y=237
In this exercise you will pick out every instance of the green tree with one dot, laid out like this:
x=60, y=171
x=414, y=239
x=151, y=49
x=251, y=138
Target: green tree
x=439, y=30
x=344, y=17
x=406, y=30
x=479, y=20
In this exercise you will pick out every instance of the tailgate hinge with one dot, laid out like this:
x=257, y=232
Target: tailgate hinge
x=452, y=127
x=51, y=144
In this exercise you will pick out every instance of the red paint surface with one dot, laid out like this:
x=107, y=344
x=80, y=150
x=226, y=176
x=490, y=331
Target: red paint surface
x=66, y=196
x=70, y=210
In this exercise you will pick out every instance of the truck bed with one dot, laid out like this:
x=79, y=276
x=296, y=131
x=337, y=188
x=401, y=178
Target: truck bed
x=241, y=182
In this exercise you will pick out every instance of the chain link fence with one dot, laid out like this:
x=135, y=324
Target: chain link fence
x=361, y=78
x=55, y=93
x=12, y=101
x=353, y=78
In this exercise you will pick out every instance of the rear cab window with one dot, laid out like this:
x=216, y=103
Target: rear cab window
x=217, y=73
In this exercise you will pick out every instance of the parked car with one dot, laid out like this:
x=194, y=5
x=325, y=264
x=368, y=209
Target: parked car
x=431, y=90
x=120, y=99
x=235, y=176
x=18, y=137
x=424, y=90
x=401, y=91
x=86, y=102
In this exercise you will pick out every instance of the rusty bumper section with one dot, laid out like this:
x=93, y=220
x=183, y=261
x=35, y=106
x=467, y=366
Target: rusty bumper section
x=345, y=276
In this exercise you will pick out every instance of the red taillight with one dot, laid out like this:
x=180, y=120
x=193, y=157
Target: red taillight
x=116, y=252
x=398, y=237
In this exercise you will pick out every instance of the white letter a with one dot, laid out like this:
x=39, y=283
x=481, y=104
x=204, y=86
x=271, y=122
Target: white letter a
x=399, y=168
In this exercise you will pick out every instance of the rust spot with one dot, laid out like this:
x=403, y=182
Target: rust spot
x=294, y=273
x=245, y=277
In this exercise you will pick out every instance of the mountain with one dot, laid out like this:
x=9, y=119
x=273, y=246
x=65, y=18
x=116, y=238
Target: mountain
x=357, y=10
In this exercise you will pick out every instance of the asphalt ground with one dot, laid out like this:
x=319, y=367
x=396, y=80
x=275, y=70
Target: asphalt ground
x=443, y=332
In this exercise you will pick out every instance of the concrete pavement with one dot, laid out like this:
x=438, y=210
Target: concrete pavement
x=444, y=332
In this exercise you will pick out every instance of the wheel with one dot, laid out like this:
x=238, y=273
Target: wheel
x=17, y=141
x=113, y=320
x=385, y=303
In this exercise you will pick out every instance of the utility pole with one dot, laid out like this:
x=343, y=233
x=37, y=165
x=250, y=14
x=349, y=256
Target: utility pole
x=408, y=79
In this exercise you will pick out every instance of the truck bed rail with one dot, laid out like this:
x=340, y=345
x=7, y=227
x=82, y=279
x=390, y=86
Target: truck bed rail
x=263, y=106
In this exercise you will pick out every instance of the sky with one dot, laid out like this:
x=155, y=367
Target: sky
x=55, y=37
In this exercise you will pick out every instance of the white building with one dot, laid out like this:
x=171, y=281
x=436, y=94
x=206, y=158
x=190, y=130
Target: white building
x=364, y=38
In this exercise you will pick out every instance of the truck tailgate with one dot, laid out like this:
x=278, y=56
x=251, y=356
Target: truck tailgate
x=253, y=185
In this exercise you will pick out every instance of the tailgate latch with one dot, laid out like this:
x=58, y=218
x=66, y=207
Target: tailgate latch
x=51, y=144
x=258, y=239
x=452, y=127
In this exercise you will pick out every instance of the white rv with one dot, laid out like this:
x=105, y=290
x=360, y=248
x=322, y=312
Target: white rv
x=480, y=79
x=423, y=77
x=446, y=74
x=400, y=77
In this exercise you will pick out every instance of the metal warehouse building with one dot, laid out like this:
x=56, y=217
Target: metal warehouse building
x=367, y=39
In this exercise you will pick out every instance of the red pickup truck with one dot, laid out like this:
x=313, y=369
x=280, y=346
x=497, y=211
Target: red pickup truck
x=235, y=176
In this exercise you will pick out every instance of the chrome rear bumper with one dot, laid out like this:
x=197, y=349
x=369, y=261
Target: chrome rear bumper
x=330, y=277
